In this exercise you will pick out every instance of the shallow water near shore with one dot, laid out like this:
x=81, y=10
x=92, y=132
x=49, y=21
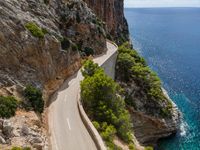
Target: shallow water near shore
x=169, y=39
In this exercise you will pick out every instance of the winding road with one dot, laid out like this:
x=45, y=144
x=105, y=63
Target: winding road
x=67, y=131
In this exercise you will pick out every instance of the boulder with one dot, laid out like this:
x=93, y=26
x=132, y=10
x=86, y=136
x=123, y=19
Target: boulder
x=35, y=140
x=38, y=146
x=1, y=124
x=7, y=129
x=25, y=131
x=2, y=140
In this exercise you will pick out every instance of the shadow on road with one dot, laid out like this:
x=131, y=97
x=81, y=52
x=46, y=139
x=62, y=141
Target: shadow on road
x=65, y=85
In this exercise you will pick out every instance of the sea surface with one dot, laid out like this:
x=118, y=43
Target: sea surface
x=169, y=39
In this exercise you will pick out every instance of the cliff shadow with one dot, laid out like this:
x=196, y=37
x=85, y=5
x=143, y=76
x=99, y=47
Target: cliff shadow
x=63, y=86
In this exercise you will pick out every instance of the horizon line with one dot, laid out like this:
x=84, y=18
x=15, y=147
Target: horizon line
x=163, y=7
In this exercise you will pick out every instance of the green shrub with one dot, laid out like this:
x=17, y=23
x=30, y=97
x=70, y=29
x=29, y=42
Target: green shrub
x=88, y=51
x=35, y=30
x=108, y=36
x=101, y=100
x=96, y=125
x=125, y=49
x=148, y=148
x=34, y=96
x=132, y=67
x=131, y=146
x=19, y=148
x=74, y=47
x=125, y=62
x=16, y=148
x=65, y=43
x=45, y=31
x=8, y=106
x=89, y=68
x=80, y=45
x=108, y=133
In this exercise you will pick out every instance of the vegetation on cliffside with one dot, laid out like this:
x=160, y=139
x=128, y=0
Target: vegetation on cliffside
x=19, y=148
x=104, y=105
x=8, y=106
x=34, y=97
x=35, y=30
x=132, y=69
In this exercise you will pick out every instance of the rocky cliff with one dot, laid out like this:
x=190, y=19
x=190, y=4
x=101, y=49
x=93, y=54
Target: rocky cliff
x=112, y=13
x=41, y=42
x=153, y=113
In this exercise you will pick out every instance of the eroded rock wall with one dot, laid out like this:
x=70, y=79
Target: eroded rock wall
x=112, y=13
x=26, y=59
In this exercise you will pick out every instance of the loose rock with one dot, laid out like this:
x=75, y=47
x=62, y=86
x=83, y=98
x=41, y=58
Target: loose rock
x=7, y=129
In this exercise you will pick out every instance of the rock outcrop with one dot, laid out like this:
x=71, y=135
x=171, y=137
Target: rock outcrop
x=69, y=28
x=148, y=124
x=149, y=129
x=112, y=13
x=25, y=129
x=153, y=113
x=42, y=43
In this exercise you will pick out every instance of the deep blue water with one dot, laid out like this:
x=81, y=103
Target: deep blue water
x=169, y=39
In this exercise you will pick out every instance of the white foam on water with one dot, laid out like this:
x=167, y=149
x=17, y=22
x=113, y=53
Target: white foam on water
x=183, y=128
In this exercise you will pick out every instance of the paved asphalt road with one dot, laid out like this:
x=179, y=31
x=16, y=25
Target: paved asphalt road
x=67, y=131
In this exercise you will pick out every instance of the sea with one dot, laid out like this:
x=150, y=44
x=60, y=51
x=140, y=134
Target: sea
x=169, y=39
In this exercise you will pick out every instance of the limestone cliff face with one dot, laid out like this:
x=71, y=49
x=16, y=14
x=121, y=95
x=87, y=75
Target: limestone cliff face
x=148, y=124
x=148, y=120
x=70, y=29
x=149, y=129
x=112, y=13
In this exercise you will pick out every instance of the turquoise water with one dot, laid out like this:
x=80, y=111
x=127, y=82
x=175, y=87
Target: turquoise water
x=169, y=39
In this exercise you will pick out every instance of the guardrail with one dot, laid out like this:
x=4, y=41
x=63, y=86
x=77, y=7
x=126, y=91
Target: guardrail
x=112, y=43
x=86, y=121
x=90, y=127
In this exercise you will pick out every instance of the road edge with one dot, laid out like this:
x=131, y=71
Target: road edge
x=90, y=127
x=85, y=119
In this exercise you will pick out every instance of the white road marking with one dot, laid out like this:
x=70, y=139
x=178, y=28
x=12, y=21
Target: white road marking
x=68, y=124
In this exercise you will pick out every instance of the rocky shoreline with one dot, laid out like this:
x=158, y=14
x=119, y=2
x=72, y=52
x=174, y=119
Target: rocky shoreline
x=148, y=129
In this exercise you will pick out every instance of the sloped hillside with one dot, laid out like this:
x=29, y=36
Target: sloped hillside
x=42, y=41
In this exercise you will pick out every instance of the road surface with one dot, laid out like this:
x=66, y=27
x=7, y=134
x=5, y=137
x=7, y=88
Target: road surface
x=67, y=131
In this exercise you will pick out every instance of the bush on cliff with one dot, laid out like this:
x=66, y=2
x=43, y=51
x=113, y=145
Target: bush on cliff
x=88, y=51
x=131, y=146
x=8, y=106
x=101, y=100
x=34, y=96
x=148, y=148
x=19, y=148
x=65, y=43
x=89, y=68
x=107, y=132
x=132, y=67
x=35, y=30
x=125, y=62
